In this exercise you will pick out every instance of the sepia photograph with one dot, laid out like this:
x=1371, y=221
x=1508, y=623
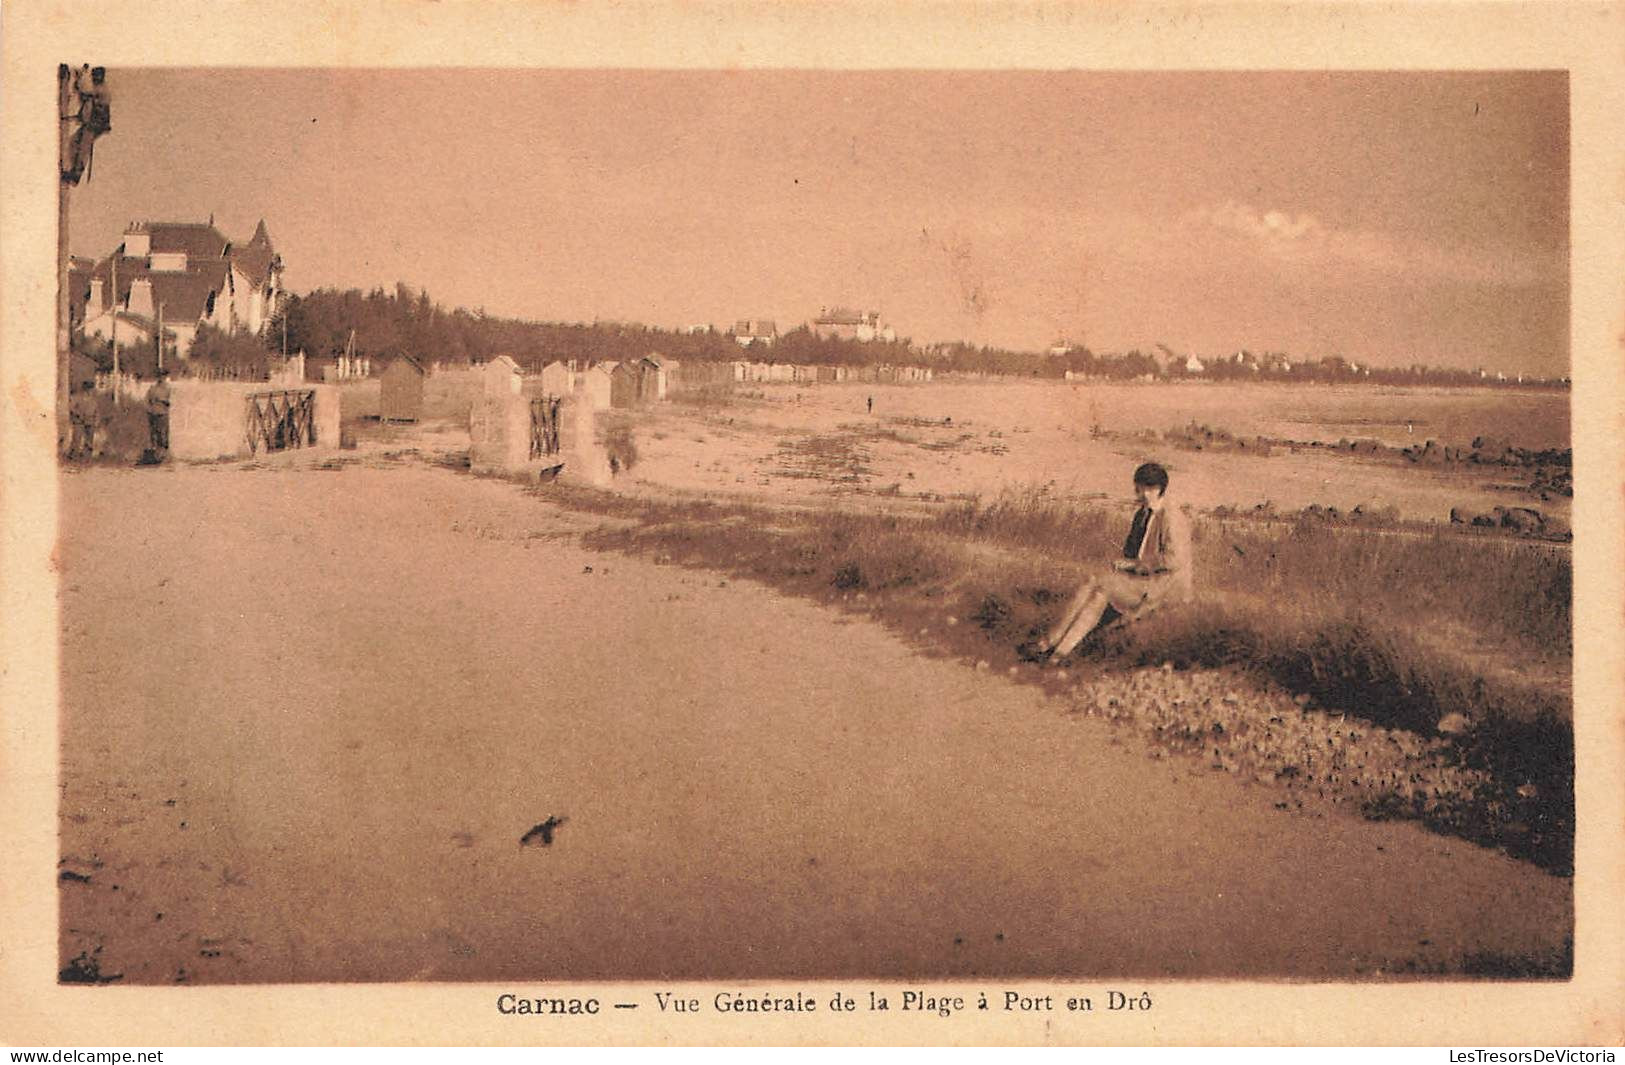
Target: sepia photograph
x=752, y=526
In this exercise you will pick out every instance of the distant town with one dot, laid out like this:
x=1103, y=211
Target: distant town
x=186, y=296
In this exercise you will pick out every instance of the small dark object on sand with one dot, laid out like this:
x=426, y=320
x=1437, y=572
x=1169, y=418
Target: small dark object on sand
x=543, y=832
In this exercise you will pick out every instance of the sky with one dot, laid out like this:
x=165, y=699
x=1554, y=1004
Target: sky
x=1389, y=218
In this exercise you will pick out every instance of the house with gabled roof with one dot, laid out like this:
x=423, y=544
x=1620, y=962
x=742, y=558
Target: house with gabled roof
x=185, y=273
x=845, y=324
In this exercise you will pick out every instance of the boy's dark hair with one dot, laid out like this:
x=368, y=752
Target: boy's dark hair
x=1152, y=475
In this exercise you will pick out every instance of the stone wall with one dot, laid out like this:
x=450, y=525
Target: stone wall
x=499, y=434
x=209, y=419
x=585, y=459
x=499, y=440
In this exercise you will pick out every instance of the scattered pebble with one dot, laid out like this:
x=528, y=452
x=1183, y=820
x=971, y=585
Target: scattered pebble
x=983, y=664
x=1264, y=734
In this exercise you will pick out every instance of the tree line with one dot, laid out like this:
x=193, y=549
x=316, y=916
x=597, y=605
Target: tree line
x=381, y=325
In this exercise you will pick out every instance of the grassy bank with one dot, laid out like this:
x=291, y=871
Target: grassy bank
x=1404, y=632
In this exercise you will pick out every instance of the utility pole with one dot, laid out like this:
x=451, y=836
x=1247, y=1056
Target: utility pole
x=160, y=334
x=117, y=391
x=83, y=113
x=64, y=342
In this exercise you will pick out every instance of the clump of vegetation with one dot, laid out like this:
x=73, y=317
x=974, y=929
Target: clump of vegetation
x=620, y=444
x=837, y=457
x=122, y=432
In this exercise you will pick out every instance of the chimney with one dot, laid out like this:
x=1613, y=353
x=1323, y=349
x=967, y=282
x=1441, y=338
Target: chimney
x=93, y=305
x=141, y=297
x=137, y=241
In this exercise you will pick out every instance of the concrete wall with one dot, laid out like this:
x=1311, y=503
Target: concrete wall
x=594, y=388
x=327, y=417
x=499, y=440
x=209, y=419
x=499, y=433
x=585, y=459
x=557, y=380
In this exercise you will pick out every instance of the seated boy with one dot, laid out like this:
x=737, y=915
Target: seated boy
x=1155, y=569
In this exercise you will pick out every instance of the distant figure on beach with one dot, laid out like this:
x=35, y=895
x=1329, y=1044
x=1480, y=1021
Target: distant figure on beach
x=158, y=414
x=1155, y=569
x=84, y=414
x=871, y=404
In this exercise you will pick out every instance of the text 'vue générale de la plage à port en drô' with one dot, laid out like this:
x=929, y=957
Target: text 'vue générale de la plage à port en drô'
x=891, y=1000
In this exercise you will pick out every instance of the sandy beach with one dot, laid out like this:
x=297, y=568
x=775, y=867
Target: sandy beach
x=308, y=716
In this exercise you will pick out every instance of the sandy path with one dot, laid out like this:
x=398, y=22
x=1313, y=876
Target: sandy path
x=308, y=717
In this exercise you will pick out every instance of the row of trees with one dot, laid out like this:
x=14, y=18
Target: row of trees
x=380, y=325
x=328, y=322
x=240, y=354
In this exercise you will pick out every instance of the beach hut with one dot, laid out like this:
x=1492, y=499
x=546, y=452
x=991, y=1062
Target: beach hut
x=400, y=391
x=557, y=380
x=594, y=386
x=652, y=378
x=625, y=385
x=501, y=377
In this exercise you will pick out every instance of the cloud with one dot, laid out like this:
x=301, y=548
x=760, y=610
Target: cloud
x=1230, y=230
x=1279, y=230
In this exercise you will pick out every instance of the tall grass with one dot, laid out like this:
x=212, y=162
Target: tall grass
x=1496, y=590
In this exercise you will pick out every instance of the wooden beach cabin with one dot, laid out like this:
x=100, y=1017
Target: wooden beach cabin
x=594, y=385
x=625, y=385
x=651, y=378
x=400, y=391
x=557, y=379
